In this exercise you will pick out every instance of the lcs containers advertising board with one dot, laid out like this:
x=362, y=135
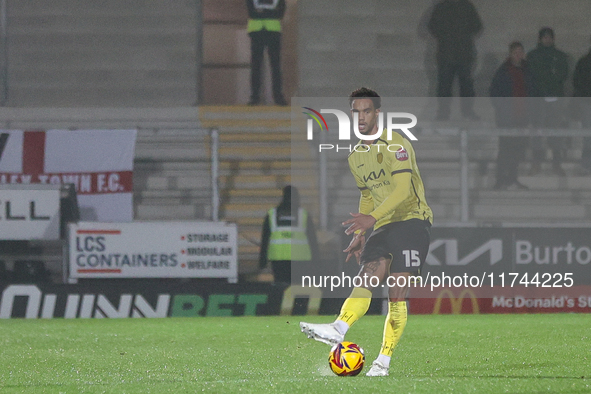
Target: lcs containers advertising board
x=153, y=250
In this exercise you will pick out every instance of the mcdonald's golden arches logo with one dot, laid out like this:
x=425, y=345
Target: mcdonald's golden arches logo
x=456, y=303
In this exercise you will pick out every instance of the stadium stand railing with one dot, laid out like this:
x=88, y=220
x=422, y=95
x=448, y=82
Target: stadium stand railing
x=458, y=168
x=173, y=181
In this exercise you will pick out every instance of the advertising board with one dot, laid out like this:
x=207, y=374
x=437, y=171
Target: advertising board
x=29, y=212
x=153, y=250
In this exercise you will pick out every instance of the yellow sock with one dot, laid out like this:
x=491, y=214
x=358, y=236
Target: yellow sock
x=355, y=306
x=395, y=323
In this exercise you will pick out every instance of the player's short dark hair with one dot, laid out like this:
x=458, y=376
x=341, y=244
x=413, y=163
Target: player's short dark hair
x=515, y=44
x=545, y=31
x=366, y=93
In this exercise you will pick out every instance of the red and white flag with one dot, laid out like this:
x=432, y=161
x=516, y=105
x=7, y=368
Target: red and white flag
x=98, y=162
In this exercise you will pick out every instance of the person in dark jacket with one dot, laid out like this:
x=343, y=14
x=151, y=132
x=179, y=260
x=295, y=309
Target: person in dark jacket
x=511, y=84
x=288, y=236
x=549, y=67
x=454, y=24
x=264, y=29
x=582, y=89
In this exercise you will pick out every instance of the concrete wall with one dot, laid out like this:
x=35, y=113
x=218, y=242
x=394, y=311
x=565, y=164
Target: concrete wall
x=132, y=53
x=71, y=53
x=344, y=44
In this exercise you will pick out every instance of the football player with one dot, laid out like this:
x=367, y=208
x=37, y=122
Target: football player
x=393, y=203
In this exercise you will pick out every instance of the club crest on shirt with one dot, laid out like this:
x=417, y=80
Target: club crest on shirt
x=401, y=155
x=380, y=158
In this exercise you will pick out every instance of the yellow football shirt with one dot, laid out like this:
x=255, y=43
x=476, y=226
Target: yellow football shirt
x=387, y=175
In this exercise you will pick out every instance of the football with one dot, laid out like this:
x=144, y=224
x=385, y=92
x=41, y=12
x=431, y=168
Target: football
x=346, y=359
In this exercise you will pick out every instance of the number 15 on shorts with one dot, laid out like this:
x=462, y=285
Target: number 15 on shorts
x=411, y=258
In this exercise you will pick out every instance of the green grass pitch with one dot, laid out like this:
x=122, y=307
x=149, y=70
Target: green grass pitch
x=448, y=353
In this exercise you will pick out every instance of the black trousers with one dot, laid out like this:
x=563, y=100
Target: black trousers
x=511, y=152
x=259, y=40
x=446, y=74
x=281, y=271
x=550, y=115
x=286, y=271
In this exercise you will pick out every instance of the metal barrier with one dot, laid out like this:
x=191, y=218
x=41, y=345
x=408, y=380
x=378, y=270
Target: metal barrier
x=4, y=52
x=464, y=135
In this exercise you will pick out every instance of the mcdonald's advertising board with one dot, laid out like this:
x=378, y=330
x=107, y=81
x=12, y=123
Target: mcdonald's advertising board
x=576, y=299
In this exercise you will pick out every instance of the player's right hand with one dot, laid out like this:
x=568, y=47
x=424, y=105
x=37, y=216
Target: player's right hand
x=355, y=247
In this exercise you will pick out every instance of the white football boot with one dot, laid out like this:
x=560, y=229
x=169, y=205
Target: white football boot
x=325, y=333
x=377, y=369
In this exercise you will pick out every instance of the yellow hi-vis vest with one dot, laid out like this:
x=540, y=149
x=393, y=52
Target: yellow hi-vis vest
x=263, y=24
x=288, y=242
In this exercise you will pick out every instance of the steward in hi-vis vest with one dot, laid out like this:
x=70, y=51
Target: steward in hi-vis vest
x=288, y=242
x=265, y=15
x=264, y=29
x=288, y=236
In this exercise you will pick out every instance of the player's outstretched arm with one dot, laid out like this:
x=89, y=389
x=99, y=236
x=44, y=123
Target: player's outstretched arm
x=402, y=186
x=361, y=222
x=365, y=202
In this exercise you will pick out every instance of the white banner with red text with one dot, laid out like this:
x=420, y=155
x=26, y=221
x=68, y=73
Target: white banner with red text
x=98, y=162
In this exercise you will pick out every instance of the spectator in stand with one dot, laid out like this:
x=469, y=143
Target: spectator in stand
x=511, y=84
x=454, y=24
x=288, y=237
x=264, y=29
x=582, y=89
x=549, y=67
